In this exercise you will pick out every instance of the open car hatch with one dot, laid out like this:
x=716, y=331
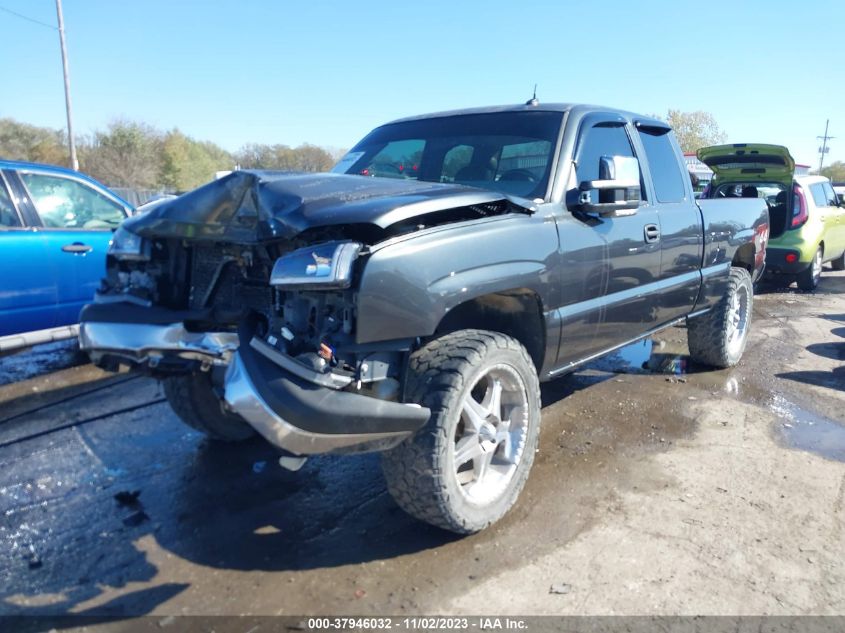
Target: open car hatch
x=749, y=162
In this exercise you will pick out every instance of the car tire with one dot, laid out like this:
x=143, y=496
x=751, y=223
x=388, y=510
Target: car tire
x=718, y=337
x=466, y=467
x=193, y=399
x=839, y=262
x=809, y=278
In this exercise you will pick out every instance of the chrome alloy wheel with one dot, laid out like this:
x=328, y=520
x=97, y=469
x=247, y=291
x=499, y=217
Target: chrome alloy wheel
x=737, y=320
x=491, y=433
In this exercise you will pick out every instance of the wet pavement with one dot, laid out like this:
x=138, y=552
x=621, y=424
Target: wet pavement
x=110, y=506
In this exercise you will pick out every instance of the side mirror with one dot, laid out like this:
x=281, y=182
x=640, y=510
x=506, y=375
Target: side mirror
x=617, y=192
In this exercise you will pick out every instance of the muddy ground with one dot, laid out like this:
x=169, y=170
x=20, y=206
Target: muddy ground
x=660, y=488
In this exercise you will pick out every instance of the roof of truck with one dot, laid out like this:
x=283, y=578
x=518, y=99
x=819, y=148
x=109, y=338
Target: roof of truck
x=524, y=107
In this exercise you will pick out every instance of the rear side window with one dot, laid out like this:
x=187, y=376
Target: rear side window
x=63, y=203
x=8, y=216
x=819, y=197
x=663, y=164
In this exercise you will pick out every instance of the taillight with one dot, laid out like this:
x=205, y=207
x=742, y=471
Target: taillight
x=799, y=207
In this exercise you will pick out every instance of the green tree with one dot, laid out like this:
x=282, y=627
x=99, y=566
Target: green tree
x=695, y=129
x=188, y=163
x=127, y=154
x=835, y=171
x=306, y=157
x=20, y=141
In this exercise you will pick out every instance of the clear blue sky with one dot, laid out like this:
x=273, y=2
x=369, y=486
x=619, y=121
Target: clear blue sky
x=327, y=72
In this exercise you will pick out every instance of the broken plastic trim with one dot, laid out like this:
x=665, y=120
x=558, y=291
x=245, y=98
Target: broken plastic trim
x=331, y=380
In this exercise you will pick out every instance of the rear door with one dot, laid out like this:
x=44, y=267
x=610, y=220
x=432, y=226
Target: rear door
x=838, y=214
x=830, y=215
x=28, y=291
x=77, y=220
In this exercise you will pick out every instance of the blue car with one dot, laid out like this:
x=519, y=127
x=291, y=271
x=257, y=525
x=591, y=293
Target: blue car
x=55, y=228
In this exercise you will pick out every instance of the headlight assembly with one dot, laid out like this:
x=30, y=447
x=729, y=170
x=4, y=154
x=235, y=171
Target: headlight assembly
x=326, y=265
x=126, y=245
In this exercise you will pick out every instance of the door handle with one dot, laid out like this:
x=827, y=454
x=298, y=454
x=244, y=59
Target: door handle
x=77, y=247
x=651, y=233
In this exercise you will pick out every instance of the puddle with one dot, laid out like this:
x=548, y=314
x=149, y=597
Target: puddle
x=643, y=357
x=41, y=359
x=807, y=431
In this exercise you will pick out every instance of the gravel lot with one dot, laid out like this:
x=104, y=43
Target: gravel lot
x=660, y=488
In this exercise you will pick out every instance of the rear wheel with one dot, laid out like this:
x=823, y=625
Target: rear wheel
x=194, y=400
x=718, y=337
x=464, y=470
x=808, y=278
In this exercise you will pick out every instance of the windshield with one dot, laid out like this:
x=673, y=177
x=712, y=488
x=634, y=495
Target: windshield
x=509, y=152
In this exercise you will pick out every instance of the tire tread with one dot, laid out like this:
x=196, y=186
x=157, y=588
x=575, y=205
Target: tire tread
x=436, y=378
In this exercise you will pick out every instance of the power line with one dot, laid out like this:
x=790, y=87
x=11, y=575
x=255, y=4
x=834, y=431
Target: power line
x=28, y=19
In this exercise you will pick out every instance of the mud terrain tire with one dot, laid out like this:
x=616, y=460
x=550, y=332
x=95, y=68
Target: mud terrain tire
x=193, y=399
x=718, y=337
x=430, y=474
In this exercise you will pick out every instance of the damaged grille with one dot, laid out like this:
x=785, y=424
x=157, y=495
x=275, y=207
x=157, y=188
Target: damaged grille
x=229, y=280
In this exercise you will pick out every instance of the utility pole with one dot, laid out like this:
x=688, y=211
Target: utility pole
x=74, y=163
x=823, y=148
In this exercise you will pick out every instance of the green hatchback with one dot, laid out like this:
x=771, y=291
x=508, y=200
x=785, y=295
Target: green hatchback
x=806, y=218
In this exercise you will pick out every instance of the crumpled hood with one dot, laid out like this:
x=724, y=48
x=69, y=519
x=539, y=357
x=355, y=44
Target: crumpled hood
x=255, y=206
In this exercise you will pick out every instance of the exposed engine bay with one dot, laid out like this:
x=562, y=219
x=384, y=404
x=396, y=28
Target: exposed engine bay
x=269, y=257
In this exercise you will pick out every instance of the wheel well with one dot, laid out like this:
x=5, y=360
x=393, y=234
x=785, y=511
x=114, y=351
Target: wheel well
x=517, y=313
x=744, y=258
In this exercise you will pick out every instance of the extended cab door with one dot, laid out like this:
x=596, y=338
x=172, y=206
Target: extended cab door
x=27, y=291
x=681, y=233
x=77, y=220
x=610, y=264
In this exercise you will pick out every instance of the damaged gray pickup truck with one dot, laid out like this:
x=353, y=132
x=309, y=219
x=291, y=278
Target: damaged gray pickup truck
x=412, y=301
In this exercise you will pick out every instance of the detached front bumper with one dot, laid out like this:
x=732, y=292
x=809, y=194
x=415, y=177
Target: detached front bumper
x=296, y=409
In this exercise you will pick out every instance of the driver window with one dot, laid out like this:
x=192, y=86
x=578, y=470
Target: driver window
x=830, y=195
x=602, y=139
x=63, y=203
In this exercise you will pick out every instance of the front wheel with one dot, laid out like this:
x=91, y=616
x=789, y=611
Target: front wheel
x=193, y=399
x=809, y=278
x=839, y=262
x=464, y=470
x=718, y=337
